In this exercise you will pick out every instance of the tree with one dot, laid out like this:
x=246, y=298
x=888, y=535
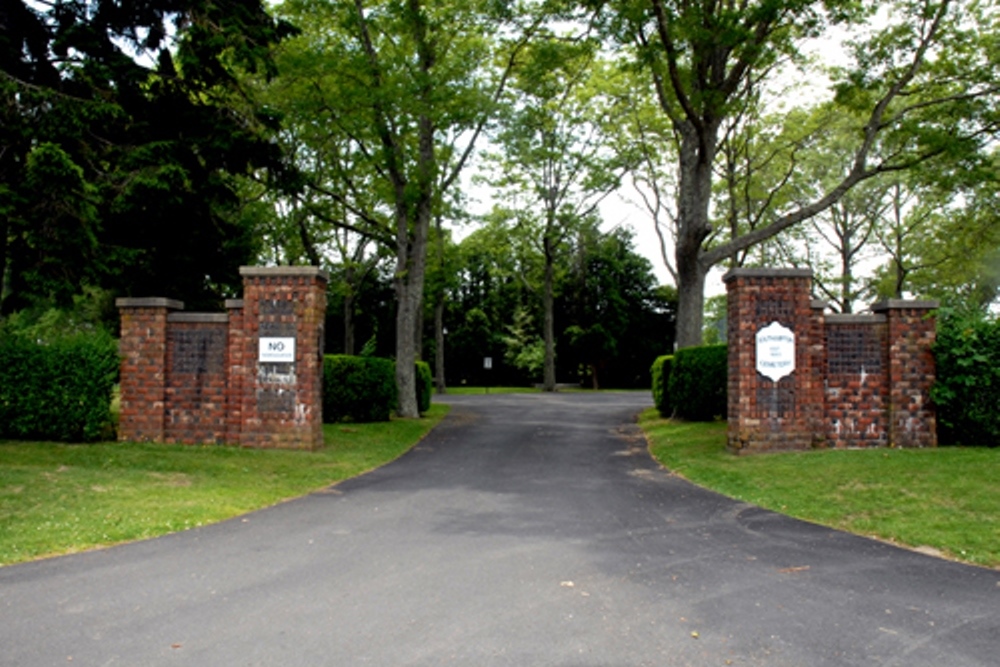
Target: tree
x=555, y=167
x=619, y=321
x=926, y=90
x=134, y=110
x=406, y=88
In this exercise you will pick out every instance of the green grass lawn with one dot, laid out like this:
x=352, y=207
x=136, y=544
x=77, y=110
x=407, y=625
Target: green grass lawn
x=57, y=498
x=947, y=498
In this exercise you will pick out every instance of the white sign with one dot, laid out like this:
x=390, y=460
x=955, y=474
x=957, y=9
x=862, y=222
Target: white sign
x=488, y=363
x=775, y=351
x=277, y=350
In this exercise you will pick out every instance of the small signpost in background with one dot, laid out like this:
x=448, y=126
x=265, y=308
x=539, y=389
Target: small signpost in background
x=488, y=365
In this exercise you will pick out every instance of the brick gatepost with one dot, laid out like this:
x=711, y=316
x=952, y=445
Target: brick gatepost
x=911, y=371
x=143, y=367
x=282, y=390
x=765, y=414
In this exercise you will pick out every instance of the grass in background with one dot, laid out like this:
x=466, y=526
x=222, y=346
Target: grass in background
x=57, y=498
x=947, y=498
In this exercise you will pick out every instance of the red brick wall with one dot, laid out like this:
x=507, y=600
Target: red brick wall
x=856, y=381
x=196, y=401
x=859, y=380
x=196, y=378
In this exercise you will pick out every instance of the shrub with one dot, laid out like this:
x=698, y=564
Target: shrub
x=360, y=389
x=697, y=382
x=425, y=386
x=660, y=373
x=59, y=390
x=967, y=389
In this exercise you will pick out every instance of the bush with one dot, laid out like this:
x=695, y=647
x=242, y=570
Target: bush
x=425, y=386
x=698, y=381
x=660, y=373
x=360, y=389
x=59, y=390
x=967, y=389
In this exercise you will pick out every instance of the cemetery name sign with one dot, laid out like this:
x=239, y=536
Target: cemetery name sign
x=775, y=351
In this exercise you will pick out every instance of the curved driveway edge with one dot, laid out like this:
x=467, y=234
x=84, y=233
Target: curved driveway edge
x=525, y=530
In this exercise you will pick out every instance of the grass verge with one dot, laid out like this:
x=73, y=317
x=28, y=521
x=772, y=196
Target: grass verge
x=57, y=498
x=947, y=499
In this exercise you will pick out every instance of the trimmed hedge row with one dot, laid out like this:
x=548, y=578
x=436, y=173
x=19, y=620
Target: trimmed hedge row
x=966, y=392
x=360, y=389
x=363, y=389
x=60, y=390
x=660, y=373
x=425, y=386
x=691, y=383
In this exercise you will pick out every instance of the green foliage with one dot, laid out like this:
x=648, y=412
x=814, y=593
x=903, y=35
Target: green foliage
x=697, y=382
x=967, y=389
x=425, y=386
x=358, y=389
x=122, y=125
x=525, y=350
x=58, y=390
x=660, y=373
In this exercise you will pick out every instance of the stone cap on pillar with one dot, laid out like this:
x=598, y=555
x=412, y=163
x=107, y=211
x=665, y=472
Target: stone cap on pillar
x=149, y=302
x=901, y=304
x=732, y=274
x=275, y=271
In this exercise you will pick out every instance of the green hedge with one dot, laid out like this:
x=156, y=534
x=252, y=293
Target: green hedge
x=425, y=386
x=698, y=381
x=359, y=389
x=61, y=390
x=966, y=392
x=660, y=373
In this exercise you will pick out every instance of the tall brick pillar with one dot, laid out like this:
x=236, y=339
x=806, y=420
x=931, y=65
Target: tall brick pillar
x=767, y=414
x=143, y=367
x=911, y=333
x=237, y=370
x=282, y=385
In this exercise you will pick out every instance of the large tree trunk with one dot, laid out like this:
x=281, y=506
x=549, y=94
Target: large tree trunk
x=548, y=328
x=697, y=152
x=409, y=297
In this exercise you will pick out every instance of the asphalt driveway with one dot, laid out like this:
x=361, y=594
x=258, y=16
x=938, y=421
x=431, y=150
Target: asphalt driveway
x=526, y=530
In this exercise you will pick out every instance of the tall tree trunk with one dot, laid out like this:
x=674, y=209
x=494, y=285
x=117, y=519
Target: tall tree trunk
x=697, y=152
x=4, y=225
x=409, y=300
x=411, y=265
x=349, y=323
x=439, y=345
x=548, y=328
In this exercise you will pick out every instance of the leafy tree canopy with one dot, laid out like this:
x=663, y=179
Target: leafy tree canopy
x=121, y=121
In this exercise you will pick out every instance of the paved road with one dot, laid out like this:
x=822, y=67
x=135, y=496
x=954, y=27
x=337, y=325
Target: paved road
x=527, y=530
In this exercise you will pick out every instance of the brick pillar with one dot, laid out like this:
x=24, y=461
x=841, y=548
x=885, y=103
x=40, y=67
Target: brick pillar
x=282, y=397
x=764, y=414
x=911, y=333
x=143, y=367
x=237, y=369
